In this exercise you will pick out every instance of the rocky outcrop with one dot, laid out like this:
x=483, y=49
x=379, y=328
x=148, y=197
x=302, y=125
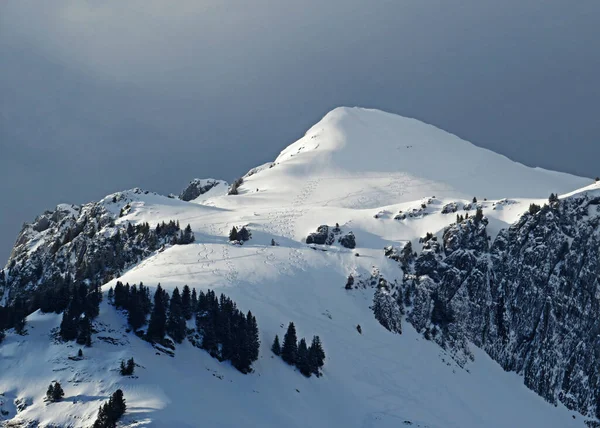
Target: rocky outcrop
x=348, y=241
x=84, y=242
x=198, y=187
x=530, y=299
x=323, y=236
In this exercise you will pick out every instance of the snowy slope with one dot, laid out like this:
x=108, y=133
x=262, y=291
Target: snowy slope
x=358, y=168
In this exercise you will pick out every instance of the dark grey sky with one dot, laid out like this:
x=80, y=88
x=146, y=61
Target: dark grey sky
x=99, y=96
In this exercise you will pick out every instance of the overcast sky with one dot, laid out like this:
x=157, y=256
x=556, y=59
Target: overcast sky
x=102, y=95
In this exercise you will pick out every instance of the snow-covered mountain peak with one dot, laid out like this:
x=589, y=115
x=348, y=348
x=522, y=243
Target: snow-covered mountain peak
x=364, y=149
x=457, y=277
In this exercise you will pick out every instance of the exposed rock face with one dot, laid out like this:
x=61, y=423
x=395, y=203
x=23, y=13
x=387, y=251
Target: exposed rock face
x=84, y=242
x=531, y=299
x=348, y=240
x=450, y=208
x=323, y=236
x=198, y=187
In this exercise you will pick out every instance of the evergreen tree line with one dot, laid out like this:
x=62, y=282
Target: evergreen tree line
x=308, y=359
x=83, y=307
x=227, y=334
x=111, y=411
x=134, y=299
x=13, y=316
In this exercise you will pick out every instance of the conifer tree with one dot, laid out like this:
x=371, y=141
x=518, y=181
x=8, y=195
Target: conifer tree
x=176, y=321
x=302, y=361
x=119, y=295
x=186, y=302
x=276, y=347
x=50, y=392
x=478, y=215
x=316, y=355
x=111, y=411
x=290, y=345
x=158, y=318
x=68, y=326
x=233, y=235
x=194, y=301
x=253, y=339
x=57, y=392
x=84, y=337
x=19, y=314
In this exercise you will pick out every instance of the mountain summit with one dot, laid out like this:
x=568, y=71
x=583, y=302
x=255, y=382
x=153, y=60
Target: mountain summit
x=410, y=278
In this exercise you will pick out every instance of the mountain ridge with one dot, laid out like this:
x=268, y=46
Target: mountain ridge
x=372, y=377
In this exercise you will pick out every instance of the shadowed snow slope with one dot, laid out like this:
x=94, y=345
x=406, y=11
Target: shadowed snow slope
x=359, y=168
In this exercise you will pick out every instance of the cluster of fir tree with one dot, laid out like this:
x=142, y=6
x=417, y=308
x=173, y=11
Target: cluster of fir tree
x=308, y=359
x=168, y=314
x=82, y=308
x=13, y=316
x=54, y=295
x=227, y=334
x=127, y=368
x=111, y=411
x=241, y=235
x=172, y=229
x=54, y=392
x=134, y=299
x=100, y=257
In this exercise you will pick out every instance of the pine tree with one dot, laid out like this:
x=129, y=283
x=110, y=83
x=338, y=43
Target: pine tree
x=68, y=326
x=80, y=354
x=233, y=235
x=57, y=392
x=194, y=301
x=111, y=411
x=253, y=339
x=243, y=234
x=478, y=215
x=186, y=303
x=50, y=393
x=188, y=235
x=127, y=368
x=276, y=347
x=117, y=404
x=176, y=321
x=136, y=316
x=119, y=295
x=19, y=315
x=302, y=361
x=290, y=345
x=158, y=318
x=84, y=336
x=316, y=355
